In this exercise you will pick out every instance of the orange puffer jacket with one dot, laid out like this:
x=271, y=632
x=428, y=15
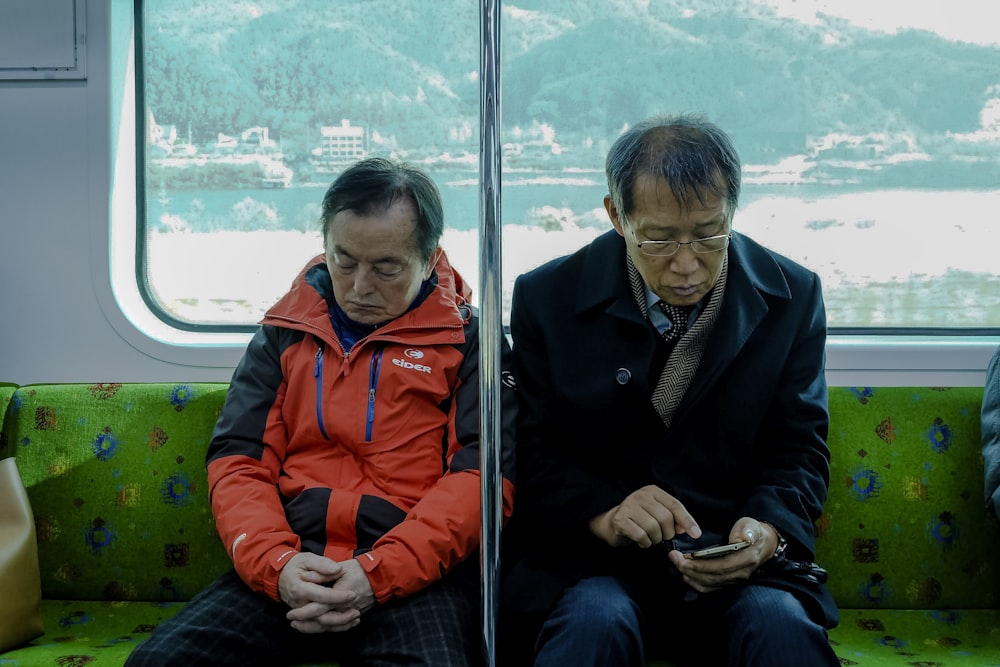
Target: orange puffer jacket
x=369, y=453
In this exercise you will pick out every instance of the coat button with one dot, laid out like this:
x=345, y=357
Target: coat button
x=623, y=375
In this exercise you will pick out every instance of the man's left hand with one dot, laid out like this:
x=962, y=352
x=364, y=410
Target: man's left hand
x=347, y=595
x=711, y=574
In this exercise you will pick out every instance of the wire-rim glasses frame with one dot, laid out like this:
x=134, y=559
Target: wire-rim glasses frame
x=703, y=246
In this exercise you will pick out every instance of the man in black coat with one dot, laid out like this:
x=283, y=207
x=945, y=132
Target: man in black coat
x=672, y=397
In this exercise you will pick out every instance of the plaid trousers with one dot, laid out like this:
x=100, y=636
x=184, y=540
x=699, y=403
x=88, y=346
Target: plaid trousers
x=229, y=624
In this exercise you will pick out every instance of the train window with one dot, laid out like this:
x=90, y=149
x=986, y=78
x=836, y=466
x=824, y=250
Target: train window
x=870, y=139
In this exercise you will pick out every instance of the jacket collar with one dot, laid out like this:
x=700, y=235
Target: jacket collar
x=604, y=282
x=305, y=305
x=754, y=278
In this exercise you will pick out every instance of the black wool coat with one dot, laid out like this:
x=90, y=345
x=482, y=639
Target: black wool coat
x=748, y=438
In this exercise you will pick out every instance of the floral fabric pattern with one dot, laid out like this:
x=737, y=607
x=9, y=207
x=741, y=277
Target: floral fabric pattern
x=116, y=477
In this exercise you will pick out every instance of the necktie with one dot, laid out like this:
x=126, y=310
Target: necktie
x=678, y=318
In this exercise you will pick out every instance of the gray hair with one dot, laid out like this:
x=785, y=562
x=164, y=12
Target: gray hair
x=694, y=156
x=374, y=184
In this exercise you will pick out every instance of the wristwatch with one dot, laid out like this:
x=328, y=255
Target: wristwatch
x=779, y=551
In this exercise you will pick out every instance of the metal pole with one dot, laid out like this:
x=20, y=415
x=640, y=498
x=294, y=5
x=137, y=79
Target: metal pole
x=490, y=323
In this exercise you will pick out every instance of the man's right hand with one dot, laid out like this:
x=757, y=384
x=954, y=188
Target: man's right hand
x=646, y=517
x=305, y=585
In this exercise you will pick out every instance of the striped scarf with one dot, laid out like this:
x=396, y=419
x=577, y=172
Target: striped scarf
x=679, y=370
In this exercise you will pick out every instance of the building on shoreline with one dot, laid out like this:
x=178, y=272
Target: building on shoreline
x=340, y=145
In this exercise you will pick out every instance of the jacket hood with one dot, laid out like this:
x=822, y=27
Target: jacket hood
x=306, y=300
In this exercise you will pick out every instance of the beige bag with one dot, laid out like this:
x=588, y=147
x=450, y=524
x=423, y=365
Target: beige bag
x=20, y=579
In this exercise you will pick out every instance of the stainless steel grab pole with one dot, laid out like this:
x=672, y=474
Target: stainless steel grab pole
x=490, y=324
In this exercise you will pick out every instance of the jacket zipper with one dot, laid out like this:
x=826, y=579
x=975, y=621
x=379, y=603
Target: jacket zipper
x=373, y=373
x=318, y=374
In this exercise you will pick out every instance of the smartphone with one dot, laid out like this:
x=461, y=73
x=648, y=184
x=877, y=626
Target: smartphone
x=719, y=550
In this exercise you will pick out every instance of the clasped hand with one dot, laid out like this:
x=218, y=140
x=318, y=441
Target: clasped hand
x=650, y=516
x=324, y=595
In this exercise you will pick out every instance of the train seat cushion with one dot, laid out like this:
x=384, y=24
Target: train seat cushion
x=905, y=524
x=116, y=477
x=905, y=533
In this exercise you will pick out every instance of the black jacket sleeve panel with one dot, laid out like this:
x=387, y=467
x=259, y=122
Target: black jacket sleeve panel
x=467, y=406
x=253, y=392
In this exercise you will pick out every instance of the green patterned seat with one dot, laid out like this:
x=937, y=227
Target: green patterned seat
x=116, y=478
x=911, y=549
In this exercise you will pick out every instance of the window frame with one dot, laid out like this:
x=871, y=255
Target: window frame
x=855, y=355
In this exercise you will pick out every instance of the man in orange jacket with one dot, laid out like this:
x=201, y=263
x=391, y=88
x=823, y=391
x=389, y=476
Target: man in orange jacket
x=344, y=468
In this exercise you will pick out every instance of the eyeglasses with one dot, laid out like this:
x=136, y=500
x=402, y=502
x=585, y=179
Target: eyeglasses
x=709, y=244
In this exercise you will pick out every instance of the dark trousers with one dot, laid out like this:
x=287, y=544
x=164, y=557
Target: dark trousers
x=601, y=621
x=229, y=624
